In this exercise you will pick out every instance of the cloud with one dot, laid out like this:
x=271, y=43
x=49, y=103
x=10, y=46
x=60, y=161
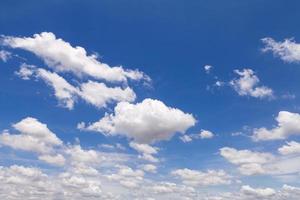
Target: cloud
x=128, y=177
x=246, y=85
x=146, y=150
x=205, y=134
x=186, y=138
x=282, y=167
x=247, y=192
x=290, y=148
x=5, y=55
x=146, y=122
x=94, y=93
x=207, y=68
x=57, y=160
x=34, y=136
x=287, y=50
x=149, y=168
x=199, y=178
x=288, y=124
x=257, y=192
x=249, y=162
x=62, y=57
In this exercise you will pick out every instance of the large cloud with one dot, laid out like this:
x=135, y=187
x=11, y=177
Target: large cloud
x=63, y=57
x=145, y=122
x=288, y=124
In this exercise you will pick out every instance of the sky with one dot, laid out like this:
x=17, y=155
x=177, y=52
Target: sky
x=155, y=100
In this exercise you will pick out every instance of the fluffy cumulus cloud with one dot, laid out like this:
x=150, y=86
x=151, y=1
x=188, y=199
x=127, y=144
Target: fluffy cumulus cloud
x=290, y=148
x=287, y=50
x=247, y=85
x=205, y=134
x=288, y=124
x=257, y=192
x=94, y=93
x=63, y=57
x=146, y=151
x=250, y=193
x=199, y=178
x=248, y=162
x=284, y=166
x=34, y=136
x=145, y=122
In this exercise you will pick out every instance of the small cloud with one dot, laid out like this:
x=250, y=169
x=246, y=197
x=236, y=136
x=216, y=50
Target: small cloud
x=208, y=68
x=5, y=55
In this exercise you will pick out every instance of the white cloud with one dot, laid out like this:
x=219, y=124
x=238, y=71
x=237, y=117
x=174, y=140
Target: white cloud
x=79, y=155
x=5, y=55
x=34, y=136
x=287, y=50
x=257, y=192
x=149, y=168
x=250, y=193
x=58, y=159
x=290, y=148
x=283, y=167
x=246, y=85
x=288, y=124
x=146, y=151
x=205, y=134
x=186, y=138
x=146, y=122
x=62, y=57
x=196, y=178
x=128, y=177
x=249, y=162
x=97, y=94
x=208, y=68
x=219, y=83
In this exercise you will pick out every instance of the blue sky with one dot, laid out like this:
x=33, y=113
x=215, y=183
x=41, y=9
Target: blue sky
x=206, y=98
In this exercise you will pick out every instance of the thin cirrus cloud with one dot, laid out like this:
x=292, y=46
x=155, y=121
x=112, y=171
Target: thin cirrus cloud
x=62, y=57
x=146, y=122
